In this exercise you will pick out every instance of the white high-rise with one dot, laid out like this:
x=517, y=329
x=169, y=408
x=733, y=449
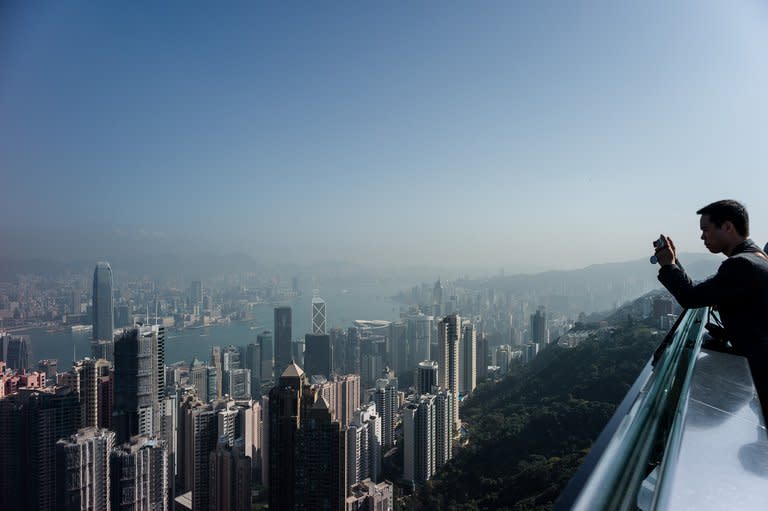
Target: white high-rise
x=419, y=439
x=318, y=313
x=448, y=362
x=84, y=469
x=364, y=445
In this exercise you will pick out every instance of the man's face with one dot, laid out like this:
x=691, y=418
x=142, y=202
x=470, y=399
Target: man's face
x=715, y=238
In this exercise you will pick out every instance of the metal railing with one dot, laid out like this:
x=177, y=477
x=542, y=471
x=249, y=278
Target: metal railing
x=643, y=436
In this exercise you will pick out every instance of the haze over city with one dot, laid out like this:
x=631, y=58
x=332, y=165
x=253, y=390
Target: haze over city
x=527, y=136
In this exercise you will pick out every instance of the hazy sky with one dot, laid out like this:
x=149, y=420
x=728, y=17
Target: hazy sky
x=525, y=135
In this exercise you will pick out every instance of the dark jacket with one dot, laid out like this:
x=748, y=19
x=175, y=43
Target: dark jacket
x=739, y=290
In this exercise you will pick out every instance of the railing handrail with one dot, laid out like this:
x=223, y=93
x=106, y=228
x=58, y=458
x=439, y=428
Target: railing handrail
x=612, y=472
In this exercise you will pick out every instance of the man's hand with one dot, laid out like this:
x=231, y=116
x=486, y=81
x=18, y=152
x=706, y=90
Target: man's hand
x=667, y=254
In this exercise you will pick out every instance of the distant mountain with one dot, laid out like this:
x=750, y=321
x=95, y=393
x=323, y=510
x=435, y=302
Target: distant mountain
x=530, y=432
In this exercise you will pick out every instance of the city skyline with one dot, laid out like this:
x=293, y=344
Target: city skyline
x=297, y=134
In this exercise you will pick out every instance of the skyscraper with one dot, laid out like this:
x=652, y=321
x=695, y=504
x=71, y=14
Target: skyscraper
x=286, y=401
x=199, y=434
x=82, y=470
x=230, y=477
x=419, y=334
x=468, y=359
x=139, y=381
x=426, y=377
x=17, y=351
x=216, y=363
x=253, y=362
x=419, y=439
x=318, y=314
x=31, y=422
x=539, y=332
x=139, y=475
x=283, y=335
x=448, y=363
x=103, y=304
x=443, y=404
x=89, y=373
x=265, y=342
x=385, y=398
x=364, y=445
x=318, y=357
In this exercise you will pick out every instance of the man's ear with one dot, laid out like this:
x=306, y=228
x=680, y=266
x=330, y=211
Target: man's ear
x=728, y=227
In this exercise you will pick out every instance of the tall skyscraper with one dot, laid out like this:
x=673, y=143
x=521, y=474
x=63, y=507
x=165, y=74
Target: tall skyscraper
x=468, y=359
x=139, y=381
x=198, y=377
x=286, y=402
x=253, y=363
x=419, y=333
x=199, y=435
x=103, y=303
x=216, y=363
x=82, y=470
x=437, y=299
x=318, y=314
x=139, y=475
x=364, y=445
x=426, y=377
x=448, y=363
x=230, y=478
x=419, y=439
x=265, y=342
x=397, y=350
x=90, y=372
x=283, y=335
x=385, y=398
x=482, y=358
x=31, y=422
x=318, y=357
x=443, y=404
x=321, y=460
x=196, y=294
x=539, y=332
x=17, y=351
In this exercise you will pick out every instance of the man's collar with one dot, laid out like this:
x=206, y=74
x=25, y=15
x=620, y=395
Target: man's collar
x=745, y=246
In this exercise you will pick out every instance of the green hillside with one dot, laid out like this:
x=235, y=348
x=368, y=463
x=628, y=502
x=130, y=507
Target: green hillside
x=529, y=432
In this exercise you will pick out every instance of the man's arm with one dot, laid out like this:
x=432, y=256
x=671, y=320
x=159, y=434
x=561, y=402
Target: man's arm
x=726, y=285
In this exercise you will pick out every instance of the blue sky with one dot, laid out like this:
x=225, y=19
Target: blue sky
x=525, y=135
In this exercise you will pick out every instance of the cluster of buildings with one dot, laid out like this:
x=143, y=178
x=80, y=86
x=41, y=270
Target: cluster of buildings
x=311, y=423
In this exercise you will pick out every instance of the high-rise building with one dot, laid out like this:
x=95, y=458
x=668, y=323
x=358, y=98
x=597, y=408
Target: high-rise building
x=364, y=445
x=230, y=477
x=419, y=333
x=282, y=339
x=482, y=358
x=448, y=363
x=253, y=363
x=285, y=408
x=31, y=422
x=103, y=349
x=196, y=294
x=443, y=404
x=321, y=460
x=238, y=383
x=103, y=303
x=468, y=359
x=216, y=363
x=17, y=351
x=385, y=398
x=437, y=299
x=139, y=382
x=198, y=436
x=371, y=496
x=82, y=470
x=318, y=314
x=318, y=357
x=352, y=364
x=397, y=349
x=198, y=377
x=139, y=475
x=265, y=342
x=539, y=332
x=90, y=372
x=50, y=368
x=419, y=439
x=426, y=377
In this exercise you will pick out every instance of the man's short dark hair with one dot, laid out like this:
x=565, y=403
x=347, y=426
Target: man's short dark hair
x=727, y=211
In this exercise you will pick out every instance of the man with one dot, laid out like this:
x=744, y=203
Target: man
x=739, y=289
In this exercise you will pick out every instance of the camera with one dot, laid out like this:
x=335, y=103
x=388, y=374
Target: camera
x=658, y=245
